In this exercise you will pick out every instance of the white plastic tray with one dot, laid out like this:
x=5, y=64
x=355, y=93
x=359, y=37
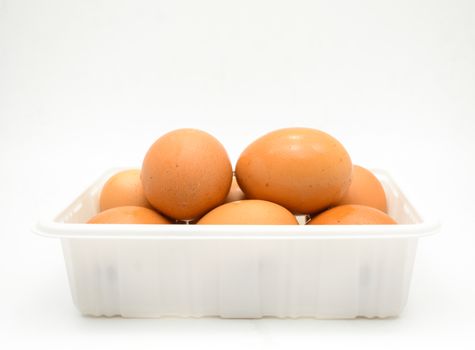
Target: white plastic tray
x=238, y=271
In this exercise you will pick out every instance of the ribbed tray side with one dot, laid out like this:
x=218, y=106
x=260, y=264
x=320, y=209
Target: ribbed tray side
x=242, y=278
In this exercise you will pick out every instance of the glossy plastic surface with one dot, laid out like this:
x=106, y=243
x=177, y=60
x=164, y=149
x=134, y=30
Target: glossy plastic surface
x=240, y=271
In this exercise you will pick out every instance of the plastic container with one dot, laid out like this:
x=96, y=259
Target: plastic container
x=238, y=271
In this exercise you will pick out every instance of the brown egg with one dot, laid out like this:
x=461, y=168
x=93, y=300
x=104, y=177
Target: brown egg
x=304, y=170
x=123, y=188
x=352, y=214
x=235, y=193
x=365, y=189
x=128, y=215
x=186, y=173
x=249, y=212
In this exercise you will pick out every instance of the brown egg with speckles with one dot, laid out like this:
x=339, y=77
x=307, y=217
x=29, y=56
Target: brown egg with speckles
x=235, y=193
x=186, y=173
x=302, y=169
x=365, y=189
x=122, y=189
x=351, y=214
x=128, y=215
x=249, y=212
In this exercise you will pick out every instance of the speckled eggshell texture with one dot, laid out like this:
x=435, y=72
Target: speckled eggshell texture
x=123, y=188
x=235, y=193
x=128, y=215
x=351, y=214
x=186, y=173
x=365, y=189
x=249, y=212
x=305, y=170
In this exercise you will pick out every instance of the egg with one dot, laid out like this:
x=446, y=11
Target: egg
x=186, y=173
x=235, y=193
x=123, y=188
x=128, y=215
x=249, y=212
x=305, y=170
x=352, y=214
x=365, y=189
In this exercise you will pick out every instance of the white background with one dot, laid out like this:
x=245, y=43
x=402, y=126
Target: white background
x=89, y=85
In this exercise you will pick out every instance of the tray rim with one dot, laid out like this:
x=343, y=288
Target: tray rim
x=54, y=228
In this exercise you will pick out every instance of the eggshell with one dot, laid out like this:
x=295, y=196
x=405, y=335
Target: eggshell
x=249, y=212
x=235, y=192
x=365, y=189
x=302, y=169
x=352, y=214
x=123, y=188
x=128, y=215
x=186, y=173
